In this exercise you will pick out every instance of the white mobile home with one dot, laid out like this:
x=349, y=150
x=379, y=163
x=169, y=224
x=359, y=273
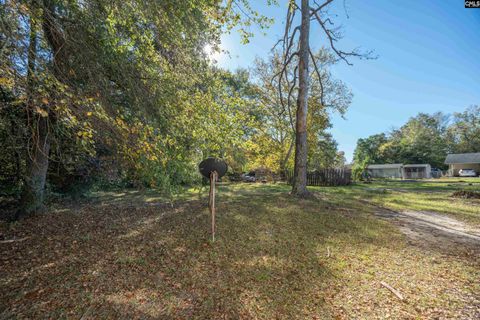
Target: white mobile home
x=417, y=171
x=400, y=171
x=385, y=170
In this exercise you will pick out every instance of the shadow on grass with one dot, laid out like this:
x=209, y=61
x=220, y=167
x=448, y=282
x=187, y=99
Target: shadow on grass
x=117, y=261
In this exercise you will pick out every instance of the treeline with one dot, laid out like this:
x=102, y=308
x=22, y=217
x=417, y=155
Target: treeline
x=423, y=139
x=123, y=93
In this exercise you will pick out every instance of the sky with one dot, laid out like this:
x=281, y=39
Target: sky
x=428, y=60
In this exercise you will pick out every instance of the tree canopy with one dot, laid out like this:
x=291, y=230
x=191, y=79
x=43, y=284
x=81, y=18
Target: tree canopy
x=123, y=93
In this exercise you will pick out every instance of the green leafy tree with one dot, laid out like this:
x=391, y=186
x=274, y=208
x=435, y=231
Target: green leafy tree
x=359, y=169
x=116, y=82
x=326, y=95
x=463, y=135
x=370, y=148
x=421, y=140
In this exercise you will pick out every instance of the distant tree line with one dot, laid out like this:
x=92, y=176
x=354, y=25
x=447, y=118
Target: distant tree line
x=424, y=138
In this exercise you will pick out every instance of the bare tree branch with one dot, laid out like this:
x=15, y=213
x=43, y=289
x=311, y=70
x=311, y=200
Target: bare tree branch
x=333, y=36
x=319, y=77
x=290, y=93
x=320, y=7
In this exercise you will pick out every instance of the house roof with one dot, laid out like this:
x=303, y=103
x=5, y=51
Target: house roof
x=385, y=166
x=463, y=158
x=423, y=165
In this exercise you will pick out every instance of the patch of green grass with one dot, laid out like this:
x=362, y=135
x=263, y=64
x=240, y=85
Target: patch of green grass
x=434, y=196
x=422, y=195
x=433, y=185
x=130, y=260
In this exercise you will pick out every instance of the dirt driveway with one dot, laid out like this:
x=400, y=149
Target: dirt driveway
x=433, y=230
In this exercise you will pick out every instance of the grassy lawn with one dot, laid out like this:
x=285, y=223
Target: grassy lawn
x=126, y=255
x=428, y=195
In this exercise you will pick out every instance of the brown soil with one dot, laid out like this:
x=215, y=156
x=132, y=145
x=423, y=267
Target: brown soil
x=432, y=230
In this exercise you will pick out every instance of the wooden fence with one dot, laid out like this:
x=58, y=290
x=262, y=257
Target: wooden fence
x=325, y=177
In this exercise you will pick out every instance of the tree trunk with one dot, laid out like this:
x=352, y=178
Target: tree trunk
x=16, y=154
x=283, y=163
x=34, y=182
x=38, y=150
x=299, y=187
